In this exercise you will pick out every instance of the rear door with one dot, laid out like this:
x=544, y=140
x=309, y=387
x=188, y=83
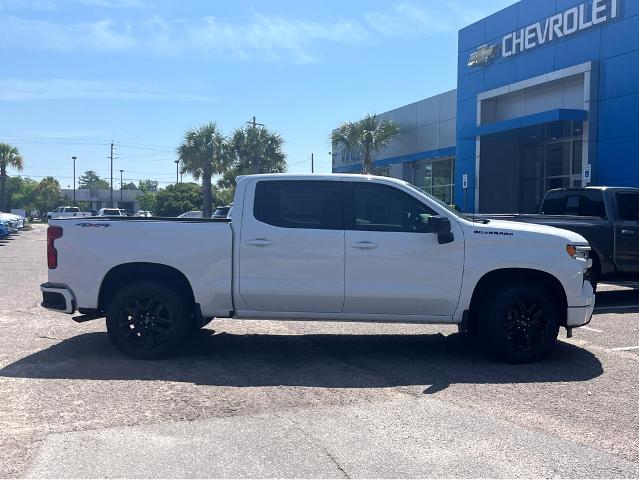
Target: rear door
x=392, y=266
x=292, y=246
x=627, y=232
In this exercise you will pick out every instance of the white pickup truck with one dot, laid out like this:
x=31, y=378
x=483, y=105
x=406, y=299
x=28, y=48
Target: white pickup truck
x=327, y=247
x=64, y=212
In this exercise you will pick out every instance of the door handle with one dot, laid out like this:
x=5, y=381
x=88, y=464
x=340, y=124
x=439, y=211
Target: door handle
x=627, y=232
x=259, y=242
x=364, y=245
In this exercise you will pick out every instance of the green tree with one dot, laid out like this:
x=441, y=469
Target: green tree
x=129, y=186
x=257, y=150
x=91, y=180
x=203, y=153
x=20, y=192
x=148, y=198
x=148, y=185
x=176, y=199
x=364, y=138
x=9, y=157
x=47, y=195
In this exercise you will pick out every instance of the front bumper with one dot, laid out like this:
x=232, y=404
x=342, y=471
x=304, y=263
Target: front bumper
x=58, y=297
x=581, y=315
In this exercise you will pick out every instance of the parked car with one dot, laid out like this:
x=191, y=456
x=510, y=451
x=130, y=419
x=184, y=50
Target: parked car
x=63, y=212
x=608, y=217
x=191, y=214
x=4, y=231
x=111, y=212
x=323, y=247
x=15, y=221
x=223, y=212
x=143, y=213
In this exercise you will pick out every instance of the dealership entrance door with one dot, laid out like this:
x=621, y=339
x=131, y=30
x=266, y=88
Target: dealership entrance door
x=519, y=166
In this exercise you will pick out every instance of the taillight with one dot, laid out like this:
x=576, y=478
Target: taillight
x=52, y=253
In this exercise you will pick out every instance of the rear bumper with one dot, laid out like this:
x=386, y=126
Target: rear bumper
x=58, y=297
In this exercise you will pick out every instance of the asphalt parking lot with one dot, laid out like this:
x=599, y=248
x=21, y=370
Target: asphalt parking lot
x=308, y=399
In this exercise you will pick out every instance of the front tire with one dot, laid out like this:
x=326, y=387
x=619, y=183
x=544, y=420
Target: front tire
x=520, y=323
x=147, y=320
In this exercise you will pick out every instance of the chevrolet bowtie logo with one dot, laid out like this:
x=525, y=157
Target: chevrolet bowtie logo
x=483, y=55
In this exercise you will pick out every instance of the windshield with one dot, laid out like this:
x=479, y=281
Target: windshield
x=439, y=202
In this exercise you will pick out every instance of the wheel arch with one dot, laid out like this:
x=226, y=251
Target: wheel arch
x=127, y=273
x=495, y=279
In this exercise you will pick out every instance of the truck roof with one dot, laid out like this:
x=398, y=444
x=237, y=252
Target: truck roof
x=593, y=187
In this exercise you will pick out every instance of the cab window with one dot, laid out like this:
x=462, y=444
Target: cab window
x=382, y=208
x=299, y=204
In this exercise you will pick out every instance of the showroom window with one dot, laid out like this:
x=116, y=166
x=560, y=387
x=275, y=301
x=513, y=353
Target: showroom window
x=436, y=177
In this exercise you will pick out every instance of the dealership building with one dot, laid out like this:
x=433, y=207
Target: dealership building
x=547, y=96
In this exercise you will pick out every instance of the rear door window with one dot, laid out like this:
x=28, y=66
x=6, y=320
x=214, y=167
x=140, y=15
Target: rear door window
x=628, y=205
x=586, y=203
x=299, y=204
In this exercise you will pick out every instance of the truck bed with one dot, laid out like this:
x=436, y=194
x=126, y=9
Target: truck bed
x=201, y=247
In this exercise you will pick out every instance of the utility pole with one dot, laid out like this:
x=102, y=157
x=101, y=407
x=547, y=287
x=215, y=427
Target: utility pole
x=312, y=164
x=258, y=166
x=177, y=172
x=74, y=158
x=121, y=186
x=111, y=156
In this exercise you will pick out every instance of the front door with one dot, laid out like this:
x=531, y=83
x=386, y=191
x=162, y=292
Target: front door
x=292, y=247
x=392, y=267
x=627, y=233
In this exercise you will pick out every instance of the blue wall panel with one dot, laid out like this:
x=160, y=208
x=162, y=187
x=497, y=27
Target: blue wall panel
x=618, y=118
x=620, y=37
x=619, y=76
x=582, y=48
x=535, y=62
x=621, y=166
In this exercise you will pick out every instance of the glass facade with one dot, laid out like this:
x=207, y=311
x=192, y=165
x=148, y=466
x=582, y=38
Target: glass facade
x=436, y=177
x=551, y=158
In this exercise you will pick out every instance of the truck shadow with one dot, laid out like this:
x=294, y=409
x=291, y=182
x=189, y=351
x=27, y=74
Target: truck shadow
x=617, y=301
x=328, y=361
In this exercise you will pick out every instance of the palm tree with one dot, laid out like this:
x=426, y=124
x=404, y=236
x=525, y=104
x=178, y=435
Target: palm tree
x=204, y=152
x=9, y=157
x=258, y=150
x=365, y=138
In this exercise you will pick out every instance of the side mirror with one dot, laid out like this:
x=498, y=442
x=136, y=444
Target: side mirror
x=441, y=227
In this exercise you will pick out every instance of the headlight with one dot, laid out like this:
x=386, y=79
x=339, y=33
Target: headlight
x=578, y=251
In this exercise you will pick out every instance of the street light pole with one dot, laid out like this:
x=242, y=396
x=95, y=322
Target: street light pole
x=177, y=172
x=121, y=186
x=74, y=158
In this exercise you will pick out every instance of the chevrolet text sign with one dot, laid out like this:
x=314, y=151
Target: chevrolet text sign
x=573, y=20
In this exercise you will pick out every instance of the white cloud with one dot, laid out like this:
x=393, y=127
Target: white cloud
x=115, y=3
x=254, y=37
x=60, y=89
x=37, y=5
x=417, y=19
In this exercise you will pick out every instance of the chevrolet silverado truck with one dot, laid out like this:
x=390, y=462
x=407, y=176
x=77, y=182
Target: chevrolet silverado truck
x=63, y=212
x=321, y=247
x=608, y=217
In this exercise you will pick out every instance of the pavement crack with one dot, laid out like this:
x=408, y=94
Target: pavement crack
x=318, y=445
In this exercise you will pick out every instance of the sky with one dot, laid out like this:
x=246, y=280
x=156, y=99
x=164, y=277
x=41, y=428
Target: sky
x=76, y=75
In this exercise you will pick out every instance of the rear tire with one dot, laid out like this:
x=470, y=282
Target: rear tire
x=147, y=320
x=520, y=323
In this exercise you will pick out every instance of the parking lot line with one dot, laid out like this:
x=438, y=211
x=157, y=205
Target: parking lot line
x=592, y=329
x=623, y=349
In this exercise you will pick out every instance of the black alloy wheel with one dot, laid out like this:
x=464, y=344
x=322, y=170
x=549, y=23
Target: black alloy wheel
x=520, y=323
x=147, y=320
